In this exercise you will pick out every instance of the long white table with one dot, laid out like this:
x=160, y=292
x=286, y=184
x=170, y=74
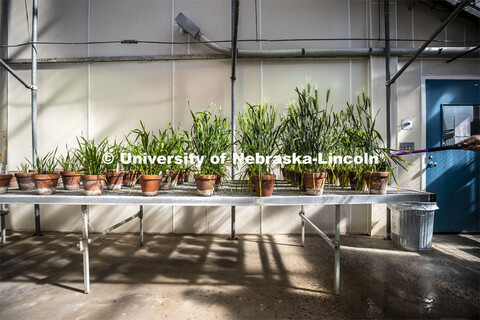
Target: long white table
x=233, y=195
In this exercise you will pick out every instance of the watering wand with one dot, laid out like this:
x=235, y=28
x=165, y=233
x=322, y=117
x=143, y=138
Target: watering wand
x=434, y=149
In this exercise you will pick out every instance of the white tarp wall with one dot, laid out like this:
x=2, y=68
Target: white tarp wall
x=109, y=99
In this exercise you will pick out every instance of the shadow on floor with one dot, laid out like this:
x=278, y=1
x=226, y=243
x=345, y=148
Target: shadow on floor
x=188, y=276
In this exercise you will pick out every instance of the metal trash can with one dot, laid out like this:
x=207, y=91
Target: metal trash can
x=412, y=225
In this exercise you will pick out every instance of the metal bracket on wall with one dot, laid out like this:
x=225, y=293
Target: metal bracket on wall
x=13, y=73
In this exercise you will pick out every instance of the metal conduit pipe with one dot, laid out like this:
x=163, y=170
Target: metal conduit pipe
x=437, y=52
x=339, y=52
x=193, y=30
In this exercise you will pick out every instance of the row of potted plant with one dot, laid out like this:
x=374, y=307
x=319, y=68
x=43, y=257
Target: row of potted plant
x=307, y=128
x=310, y=128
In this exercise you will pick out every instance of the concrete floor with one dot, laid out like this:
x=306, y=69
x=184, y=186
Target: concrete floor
x=257, y=277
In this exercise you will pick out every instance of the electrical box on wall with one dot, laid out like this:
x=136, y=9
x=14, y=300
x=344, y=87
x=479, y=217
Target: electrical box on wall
x=407, y=124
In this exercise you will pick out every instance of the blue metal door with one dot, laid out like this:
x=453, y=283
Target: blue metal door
x=453, y=108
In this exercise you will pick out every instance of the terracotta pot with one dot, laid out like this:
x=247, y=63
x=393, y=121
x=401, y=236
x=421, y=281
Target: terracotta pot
x=129, y=178
x=355, y=184
x=13, y=181
x=314, y=183
x=93, y=184
x=205, y=184
x=150, y=184
x=114, y=180
x=46, y=183
x=267, y=184
x=377, y=182
x=165, y=183
x=218, y=182
x=5, y=182
x=174, y=178
x=25, y=180
x=288, y=175
x=71, y=180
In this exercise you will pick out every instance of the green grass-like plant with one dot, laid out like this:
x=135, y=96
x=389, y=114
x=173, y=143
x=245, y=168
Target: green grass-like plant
x=309, y=129
x=363, y=137
x=115, y=149
x=210, y=136
x=46, y=164
x=89, y=155
x=146, y=143
x=68, y=161
x=258, y=134
x=23, y=167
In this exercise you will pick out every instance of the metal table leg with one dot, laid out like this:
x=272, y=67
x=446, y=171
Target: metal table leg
x=38, y=231
x=140, y=216
x=233, y=235
x=303, y=227
x=261, y=219
x=389, y=223
x=84, y=248
x=3, y=213
x=334, y=243
x=337, y=249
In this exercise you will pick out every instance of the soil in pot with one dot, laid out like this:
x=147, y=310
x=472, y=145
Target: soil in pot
x=218, y=182
x=25, y=180
x=165, y=183
x=314, y=183
x=356, y=182
x=150, y=184
x=265, y=189
x=129, y=178
x=46, y=183
x=377, y=182
x=114, y=180
x=93, y=184
x=71, y=180
x=205, y=184
x=5, y=182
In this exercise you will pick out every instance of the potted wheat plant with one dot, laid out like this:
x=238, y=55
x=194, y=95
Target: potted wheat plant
x=209, y=137
x=259, y=134
x=89, y=156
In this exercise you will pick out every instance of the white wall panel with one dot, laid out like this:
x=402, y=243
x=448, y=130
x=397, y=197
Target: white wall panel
x=122, y=94
x=147, y=20
x=58, y=21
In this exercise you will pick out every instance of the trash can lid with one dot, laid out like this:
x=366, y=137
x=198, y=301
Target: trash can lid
x=418, y=206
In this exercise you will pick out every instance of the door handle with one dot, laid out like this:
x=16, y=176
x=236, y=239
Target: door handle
x=432, y=164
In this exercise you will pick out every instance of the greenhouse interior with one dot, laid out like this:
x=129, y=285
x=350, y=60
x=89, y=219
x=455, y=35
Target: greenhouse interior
x=239, y=159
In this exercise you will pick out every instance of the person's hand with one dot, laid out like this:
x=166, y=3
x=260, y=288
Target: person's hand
x=472, y=143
